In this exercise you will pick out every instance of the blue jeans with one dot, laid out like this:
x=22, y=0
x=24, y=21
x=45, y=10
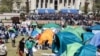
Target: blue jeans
x=30, y=52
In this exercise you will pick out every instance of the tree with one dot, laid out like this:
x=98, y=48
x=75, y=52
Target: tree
x=6, y=6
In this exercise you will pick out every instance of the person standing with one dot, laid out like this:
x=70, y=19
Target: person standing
x=29, y=45
x=12, y=35
x=21, y=47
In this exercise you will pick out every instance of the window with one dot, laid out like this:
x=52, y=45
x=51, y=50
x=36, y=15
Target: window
x=18, y=5
x=46, y=1
x=60, y=1
x=73, y=1
x=41, y=1
x=65, y=1
x=45, y=5
x=37, y=1
x=69, y=2
x=51, y=1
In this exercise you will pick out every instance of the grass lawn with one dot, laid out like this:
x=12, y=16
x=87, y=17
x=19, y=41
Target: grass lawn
x=12, y=51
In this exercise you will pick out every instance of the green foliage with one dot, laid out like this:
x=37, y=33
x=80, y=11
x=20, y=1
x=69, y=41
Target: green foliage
x=6, y=6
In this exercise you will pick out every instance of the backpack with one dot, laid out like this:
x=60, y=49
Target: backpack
x=2, y=49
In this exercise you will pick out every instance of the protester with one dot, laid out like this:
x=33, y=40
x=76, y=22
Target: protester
x=21, y=47
x=30, y=43
x=3, y=48
x=12, y=35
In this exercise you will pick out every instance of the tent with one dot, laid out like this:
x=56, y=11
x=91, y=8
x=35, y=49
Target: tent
x=46, y=35
x=95, y=40
x=72, y=49
x=51, y=25
x=88, y=50
x=95, y=27
x=34, y=33
x=87, y=36
x=77, y=30
x=34, y=23
x=61, y=40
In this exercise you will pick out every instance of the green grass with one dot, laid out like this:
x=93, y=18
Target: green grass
x=12, y=51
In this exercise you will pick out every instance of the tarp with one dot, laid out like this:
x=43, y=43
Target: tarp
x=51, y=25
x=41, y=11
x=50, y=10
x=64, y=10
x=77, y=30
x=46, y=35
x=87, y=36
x=72, y=49
x=61, y=40
x=95, y=40
x=88, y=50
x=74, y=11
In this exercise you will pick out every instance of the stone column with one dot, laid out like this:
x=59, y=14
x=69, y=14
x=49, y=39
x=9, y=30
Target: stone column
x=67, y=3
x=71, y=3
x=48, y=5
x=63, y=4
x=43, y=3
x=39, y=4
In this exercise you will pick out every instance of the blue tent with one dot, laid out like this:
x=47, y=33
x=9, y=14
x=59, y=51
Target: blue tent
x=88, y=50
x=64, y=10
x=51, y=10
x=74, y=11
x=95, y=27
x=34, y=33
x=62, y=39
x=87, y=36
x=41, y=11
x=95, y=40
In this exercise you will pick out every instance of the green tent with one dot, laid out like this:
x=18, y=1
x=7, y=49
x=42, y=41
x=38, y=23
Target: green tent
x=33, y=23
x=72, y=49
x=51, y=25
x=75, y=30
x=12, y=30
x=38, y=30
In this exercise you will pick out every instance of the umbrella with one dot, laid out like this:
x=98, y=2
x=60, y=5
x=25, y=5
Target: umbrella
x=51, y=25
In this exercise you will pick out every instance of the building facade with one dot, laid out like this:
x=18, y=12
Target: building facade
x=53, y=4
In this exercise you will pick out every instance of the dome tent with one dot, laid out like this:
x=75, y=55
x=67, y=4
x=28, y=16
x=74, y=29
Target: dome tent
x=62, y=39
x=77, y=30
